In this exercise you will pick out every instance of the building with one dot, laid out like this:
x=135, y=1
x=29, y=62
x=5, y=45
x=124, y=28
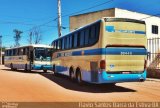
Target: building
x=152, y=22
x=152, y=27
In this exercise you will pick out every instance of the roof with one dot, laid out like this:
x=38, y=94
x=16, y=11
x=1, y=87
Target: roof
x=34, y=45
x=83, y=27
x=114, y=9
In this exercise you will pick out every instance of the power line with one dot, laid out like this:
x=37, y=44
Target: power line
x=86, y=9
x=22, y=23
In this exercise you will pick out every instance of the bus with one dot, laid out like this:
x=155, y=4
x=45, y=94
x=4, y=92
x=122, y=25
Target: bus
x=110, y=50
x=31, y=57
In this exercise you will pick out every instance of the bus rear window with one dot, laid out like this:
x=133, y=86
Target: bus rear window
x=123, y=20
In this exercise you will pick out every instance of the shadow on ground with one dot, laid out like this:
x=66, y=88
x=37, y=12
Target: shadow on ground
x=66, y=83
x=23, y=71
x=86, y=87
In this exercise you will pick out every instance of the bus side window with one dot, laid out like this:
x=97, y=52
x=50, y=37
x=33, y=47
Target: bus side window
x=63, y=44
x=13, y=52
x=86, y=36
x=82, y=38
x=6, y=53
x=24, y=51
x=70, y=41
x=67, y=45
x=20, y=50
x=59, y=44
x=9, y=52
x=72, y=37
x=75, y=40
x=97, y=30
x=92, y=35
x=27, y=52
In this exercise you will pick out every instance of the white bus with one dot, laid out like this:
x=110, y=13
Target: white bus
x=109, y=50
x=31, y=57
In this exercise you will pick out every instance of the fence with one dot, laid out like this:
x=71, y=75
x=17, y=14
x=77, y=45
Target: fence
x=154, y=53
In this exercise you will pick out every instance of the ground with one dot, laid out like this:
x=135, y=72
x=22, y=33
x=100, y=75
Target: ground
x=19, y=86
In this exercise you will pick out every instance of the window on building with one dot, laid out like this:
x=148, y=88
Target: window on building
x=154, y=29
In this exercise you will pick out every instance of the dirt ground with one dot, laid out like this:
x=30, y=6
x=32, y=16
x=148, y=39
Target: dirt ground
x=19, y=86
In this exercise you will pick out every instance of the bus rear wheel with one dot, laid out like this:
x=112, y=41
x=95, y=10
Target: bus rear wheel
x=11, y=66
x=26, y=68
x=79, y=77
x=71, y=74
x=45, y=70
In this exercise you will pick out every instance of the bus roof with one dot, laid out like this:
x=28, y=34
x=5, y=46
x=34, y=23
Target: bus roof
x=102, y=19
x=78, y=29
x=32, y=45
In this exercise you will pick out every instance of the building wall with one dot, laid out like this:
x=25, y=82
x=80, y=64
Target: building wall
x=78, y=21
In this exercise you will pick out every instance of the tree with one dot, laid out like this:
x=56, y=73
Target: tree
x=36, y=35
x=17, y=37
x=3, y=49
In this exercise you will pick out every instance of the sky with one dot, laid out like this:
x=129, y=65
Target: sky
x=26, y=14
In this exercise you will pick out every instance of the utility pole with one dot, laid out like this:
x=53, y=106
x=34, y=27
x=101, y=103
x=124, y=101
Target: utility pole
x=1, y=50
x=59, y=19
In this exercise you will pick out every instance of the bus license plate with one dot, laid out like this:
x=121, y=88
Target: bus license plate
x=126, y=72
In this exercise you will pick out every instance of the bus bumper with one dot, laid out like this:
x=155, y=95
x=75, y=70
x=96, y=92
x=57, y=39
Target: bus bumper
x=103, y=77
x=42, y=67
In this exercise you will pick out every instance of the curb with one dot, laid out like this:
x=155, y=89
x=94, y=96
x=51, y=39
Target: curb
x=152, y=79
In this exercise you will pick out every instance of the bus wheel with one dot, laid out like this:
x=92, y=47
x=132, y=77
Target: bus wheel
x=45, y=70
x=54, y=68
x=11, y=66
x=26, y=68
x=79, y=77
x=71, y=74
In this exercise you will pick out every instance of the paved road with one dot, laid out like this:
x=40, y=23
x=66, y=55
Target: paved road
x=18, y=86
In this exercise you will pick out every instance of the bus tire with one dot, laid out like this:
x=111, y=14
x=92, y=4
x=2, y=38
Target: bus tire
x=26, y=68
x=54, y=66
x=45, y=70
x=79, y=77
x=71, y=74
x=11, y=66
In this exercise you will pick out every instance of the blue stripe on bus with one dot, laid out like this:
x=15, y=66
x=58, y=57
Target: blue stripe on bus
x=140, y=32
x=110, y=51
x=107, y=51
x=112, y=29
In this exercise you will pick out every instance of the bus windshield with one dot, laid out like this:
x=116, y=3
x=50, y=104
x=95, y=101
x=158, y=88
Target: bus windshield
x=43, y=54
